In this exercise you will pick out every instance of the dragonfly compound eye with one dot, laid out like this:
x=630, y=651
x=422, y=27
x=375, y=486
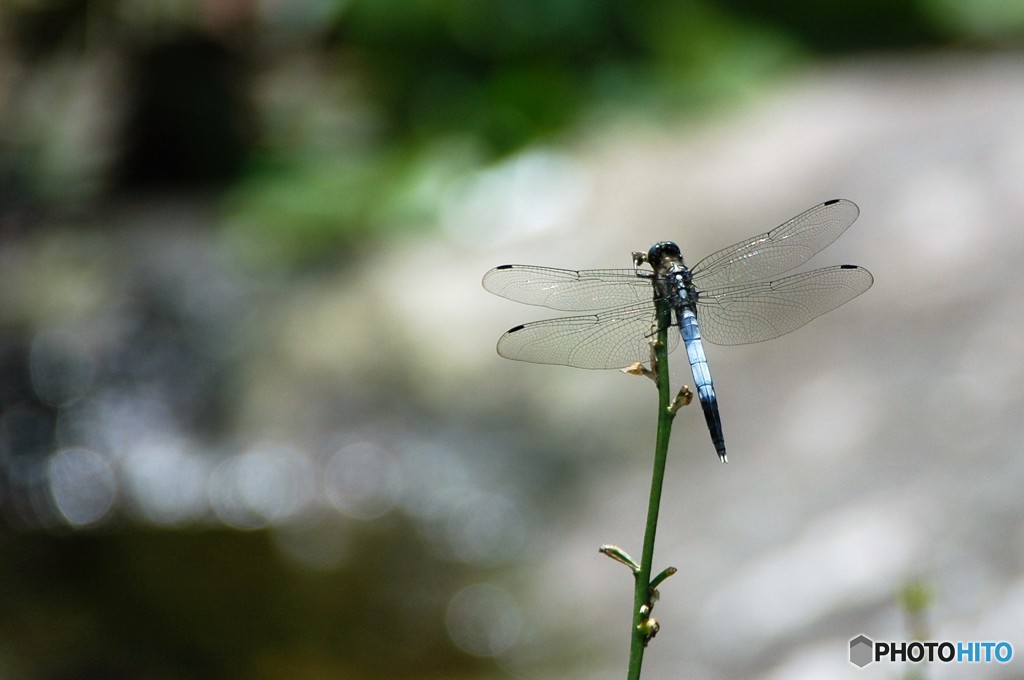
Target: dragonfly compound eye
x=665, y=251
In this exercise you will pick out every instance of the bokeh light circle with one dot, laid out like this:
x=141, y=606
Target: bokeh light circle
x=483, y=620
x=83, y=486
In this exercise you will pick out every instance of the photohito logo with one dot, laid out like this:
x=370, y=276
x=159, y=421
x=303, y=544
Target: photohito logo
x=864, y=650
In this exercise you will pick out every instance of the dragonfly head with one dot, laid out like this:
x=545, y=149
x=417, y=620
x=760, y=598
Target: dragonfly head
x=662, y=255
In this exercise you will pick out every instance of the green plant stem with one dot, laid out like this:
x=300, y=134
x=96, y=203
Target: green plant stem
x=642, y=591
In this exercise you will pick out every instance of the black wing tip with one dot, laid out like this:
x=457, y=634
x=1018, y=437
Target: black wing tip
x=843, y=200
x=856, y=267
x=487, y=276
x=516, y=329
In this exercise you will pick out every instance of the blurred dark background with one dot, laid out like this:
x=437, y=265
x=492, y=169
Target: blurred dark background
x=251, y=423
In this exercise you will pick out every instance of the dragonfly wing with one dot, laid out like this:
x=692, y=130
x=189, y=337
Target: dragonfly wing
x=779, y=250
x=614, y=339
x=736, y=315
x=569, y=290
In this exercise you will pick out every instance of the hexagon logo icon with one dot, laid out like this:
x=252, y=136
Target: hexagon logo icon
x=861, y=651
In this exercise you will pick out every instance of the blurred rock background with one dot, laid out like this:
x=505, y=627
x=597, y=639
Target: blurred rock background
x=251, y=420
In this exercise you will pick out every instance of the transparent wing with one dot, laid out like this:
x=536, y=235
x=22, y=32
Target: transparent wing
x=614, y=339
x=736, y=315
x=779, y=250
x=568, y=290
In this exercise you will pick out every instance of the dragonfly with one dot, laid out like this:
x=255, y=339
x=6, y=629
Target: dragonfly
x=731, y=297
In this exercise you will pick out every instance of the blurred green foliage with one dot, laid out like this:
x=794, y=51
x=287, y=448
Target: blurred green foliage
x=992, y=22
x=406, y=95
x=498, y=76
x=456, y=85
x=145, y=603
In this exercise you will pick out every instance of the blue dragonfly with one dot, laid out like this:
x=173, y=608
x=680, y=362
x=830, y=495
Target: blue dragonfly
x=729, y=298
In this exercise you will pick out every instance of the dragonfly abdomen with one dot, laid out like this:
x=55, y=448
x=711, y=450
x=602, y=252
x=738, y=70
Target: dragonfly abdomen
x=702, y=378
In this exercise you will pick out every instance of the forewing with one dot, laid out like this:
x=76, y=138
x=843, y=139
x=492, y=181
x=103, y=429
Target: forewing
x=736, y=315
x=777, y=251
x=614, y=339
x=568, y=290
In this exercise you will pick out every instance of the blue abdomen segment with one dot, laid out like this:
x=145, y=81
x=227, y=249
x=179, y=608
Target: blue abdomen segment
x=702, y=378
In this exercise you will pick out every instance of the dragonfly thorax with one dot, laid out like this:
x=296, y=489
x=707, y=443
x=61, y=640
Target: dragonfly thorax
x=678, y=286
x=672, y=279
